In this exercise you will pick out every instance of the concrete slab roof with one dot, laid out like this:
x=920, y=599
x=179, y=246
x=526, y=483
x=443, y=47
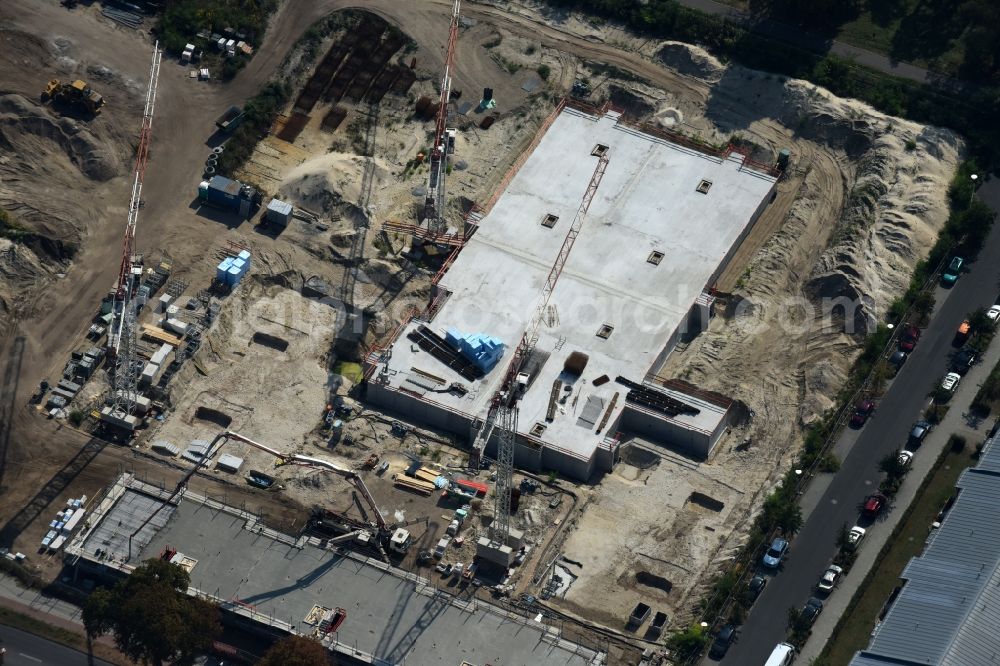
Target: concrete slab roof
x=121, y=519
x=394, y=617
x=648, y=201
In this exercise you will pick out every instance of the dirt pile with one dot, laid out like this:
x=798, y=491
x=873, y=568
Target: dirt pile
x=690, y=61
x=20, y=270
x=50, y=144
x=324, y=183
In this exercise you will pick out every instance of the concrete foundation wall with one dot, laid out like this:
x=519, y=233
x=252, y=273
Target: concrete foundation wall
x=420, y=411
x=567, y=465
x=526, y=456
x=655, y=428
x=742, y=237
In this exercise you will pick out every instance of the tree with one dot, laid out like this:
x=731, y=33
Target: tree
x=891, y=466
x=152, y=618
x=687, y=644
x=842, y=537
x=296, y=651
x=923, y=305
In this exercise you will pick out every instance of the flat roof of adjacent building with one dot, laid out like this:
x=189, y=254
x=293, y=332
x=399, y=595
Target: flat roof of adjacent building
x=947, y=612
x=393, y=616
x=648, y=202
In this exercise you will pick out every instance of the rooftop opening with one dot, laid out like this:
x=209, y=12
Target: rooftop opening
x=599, y=150
x=605, y=331
x=550, y=220
x=655, y=257
x=704, y=186
x=537, y=429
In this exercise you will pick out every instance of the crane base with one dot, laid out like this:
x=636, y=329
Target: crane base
x=494, y=552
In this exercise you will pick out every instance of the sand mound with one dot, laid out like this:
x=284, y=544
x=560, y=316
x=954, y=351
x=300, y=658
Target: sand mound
x=27, y=130
x=329, y=182
x=870, y=195
x=690, y=60
x=891, y=217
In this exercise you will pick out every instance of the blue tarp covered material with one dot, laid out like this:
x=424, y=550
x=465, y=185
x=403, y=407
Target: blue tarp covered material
x=481, y=349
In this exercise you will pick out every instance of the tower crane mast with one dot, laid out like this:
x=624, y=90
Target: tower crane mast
x=503, y=409
x=121, y=345
x=444, y=137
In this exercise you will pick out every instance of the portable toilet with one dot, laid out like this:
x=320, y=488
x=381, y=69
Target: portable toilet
x=784, y=157
x=222, y=270
x=233, y=276
x=245, y=256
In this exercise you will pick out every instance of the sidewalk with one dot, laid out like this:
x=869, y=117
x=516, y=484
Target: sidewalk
x=878, y=533
x=57, y=613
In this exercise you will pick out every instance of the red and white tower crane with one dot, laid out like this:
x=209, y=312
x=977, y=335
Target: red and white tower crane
x=503, y=409
x=444, y=138
x=122, y=337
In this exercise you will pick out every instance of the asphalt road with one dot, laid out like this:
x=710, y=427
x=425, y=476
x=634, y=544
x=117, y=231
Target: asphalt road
x=814, y=546
x=24, y=649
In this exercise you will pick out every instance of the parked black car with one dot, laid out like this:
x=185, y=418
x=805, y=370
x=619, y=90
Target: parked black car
x=725, y=638
x=811, y=610
x=963, y=360
x=755, y=587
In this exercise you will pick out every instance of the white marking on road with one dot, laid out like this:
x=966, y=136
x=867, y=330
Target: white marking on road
x=28, y=656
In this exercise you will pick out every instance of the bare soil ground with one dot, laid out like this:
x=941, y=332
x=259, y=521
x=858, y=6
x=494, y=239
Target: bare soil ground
x=864, y=198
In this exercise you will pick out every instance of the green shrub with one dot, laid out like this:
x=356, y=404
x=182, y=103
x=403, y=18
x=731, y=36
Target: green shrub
x=183, y=19
x=957, y=443
x=260, y=111
x=544, y=71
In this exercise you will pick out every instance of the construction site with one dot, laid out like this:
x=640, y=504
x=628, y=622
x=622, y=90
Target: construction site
x=464, y=360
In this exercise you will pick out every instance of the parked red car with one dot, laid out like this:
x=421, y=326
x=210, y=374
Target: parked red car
x=909, y=337
x=873, y=505
x=862, y=410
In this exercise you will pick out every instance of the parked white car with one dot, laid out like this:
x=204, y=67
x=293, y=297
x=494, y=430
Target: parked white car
x=855, y=537
x=950, y=382
x=830, y=578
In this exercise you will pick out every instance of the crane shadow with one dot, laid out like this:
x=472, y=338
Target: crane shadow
x=11, y=380
x=301, y=582
x=51, y=490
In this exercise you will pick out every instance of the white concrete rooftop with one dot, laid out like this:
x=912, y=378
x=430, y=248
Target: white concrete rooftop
x=647, y=202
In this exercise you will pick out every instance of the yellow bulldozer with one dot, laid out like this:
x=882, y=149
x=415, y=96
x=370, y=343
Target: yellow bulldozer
x=77, y=94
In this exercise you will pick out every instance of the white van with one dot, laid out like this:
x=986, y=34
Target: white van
x=781, y=655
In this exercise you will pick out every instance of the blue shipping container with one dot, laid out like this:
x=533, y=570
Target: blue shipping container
x=224, y=192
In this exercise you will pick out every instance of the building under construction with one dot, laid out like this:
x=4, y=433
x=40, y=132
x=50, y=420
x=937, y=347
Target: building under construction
x=663, y=222
x=267, y=582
